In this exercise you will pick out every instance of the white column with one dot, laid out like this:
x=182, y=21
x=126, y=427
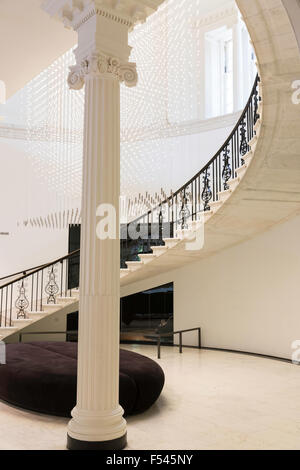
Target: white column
x=97, y=418
x=102, y=63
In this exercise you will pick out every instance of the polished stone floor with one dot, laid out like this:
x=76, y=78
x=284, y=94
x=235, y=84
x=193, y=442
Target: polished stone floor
x=211, y=400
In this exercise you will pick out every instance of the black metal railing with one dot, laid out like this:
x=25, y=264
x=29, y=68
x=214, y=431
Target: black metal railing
x=194, y=198
x=159, y=336
x=67, y=334
x=36, y=288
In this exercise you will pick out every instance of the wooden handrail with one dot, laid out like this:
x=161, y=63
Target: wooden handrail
x=22, y=272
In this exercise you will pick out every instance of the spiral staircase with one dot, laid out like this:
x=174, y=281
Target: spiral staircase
x=249, y=185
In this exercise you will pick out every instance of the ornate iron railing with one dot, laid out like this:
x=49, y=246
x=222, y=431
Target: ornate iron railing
x=42, y=285
x=38, y=287
x=204, y=188
x=195, y=197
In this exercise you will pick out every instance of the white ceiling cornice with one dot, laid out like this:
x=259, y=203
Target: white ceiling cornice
x=216, y=16
x=74, y=13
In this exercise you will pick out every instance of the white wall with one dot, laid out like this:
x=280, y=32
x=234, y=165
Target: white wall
x=192, y=153
x=293, y=10
x=175, y=159
x=244, y=298
x=24, y=247
x=27, y=248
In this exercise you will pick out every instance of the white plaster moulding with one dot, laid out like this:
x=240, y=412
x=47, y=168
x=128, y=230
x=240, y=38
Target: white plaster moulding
x=187, y=128
x=74, y=13
x=9, y=131
x=216, y=16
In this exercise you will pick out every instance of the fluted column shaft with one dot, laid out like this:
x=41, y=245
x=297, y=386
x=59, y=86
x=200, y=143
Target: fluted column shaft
x=97, y=415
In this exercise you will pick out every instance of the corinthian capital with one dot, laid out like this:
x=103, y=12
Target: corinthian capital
x=100, y=65
x=102, y=27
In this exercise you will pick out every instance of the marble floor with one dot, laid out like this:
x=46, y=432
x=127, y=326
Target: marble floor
x=211, y=400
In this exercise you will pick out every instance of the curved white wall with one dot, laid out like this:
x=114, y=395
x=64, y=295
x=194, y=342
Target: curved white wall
x=245, y=298
x=293, y=9
x=180, y=157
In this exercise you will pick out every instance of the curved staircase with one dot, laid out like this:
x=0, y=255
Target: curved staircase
x=251, y=183
x=209, y=191
x=48, y=289
x=265, y=190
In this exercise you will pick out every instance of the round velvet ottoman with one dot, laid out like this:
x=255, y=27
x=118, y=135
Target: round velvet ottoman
x=42, y=377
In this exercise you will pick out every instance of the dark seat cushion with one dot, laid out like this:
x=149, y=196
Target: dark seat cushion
x=42, y=377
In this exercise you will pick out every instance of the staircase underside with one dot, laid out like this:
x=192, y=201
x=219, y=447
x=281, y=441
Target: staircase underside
x=268, y=192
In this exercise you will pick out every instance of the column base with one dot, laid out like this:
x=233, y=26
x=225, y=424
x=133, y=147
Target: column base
x=115, y=444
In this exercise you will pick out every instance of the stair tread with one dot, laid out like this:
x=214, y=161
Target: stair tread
x=22, y=320
x=145, y=255
x=8, y=328
x=36, y=312
x=53, y=305
x=66, y=298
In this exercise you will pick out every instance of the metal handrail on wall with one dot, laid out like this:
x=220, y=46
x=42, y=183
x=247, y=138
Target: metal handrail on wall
x=159, y=336
x=173, y=333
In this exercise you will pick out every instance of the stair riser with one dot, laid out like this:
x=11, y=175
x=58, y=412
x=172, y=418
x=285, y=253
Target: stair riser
x=159, y=251
x=147, y=259
x=66, y=300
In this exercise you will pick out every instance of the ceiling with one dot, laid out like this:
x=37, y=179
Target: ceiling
x=29, y=42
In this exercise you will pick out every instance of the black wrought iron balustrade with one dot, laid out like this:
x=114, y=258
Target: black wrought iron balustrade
x=144, y=236
x=40, y=286
x=196, y=196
